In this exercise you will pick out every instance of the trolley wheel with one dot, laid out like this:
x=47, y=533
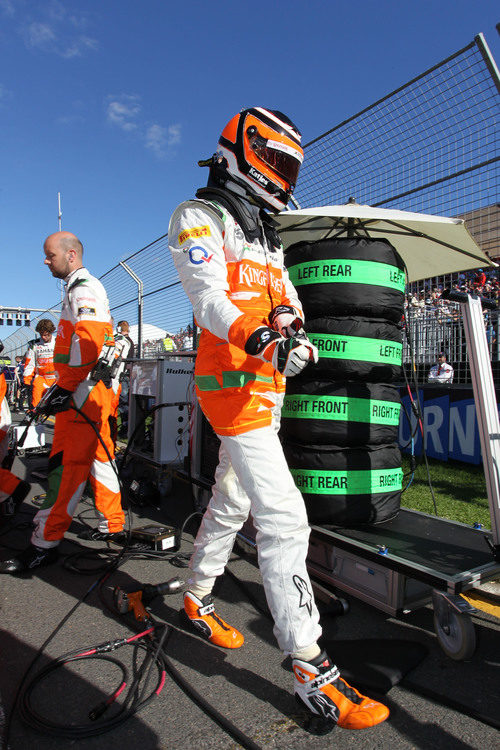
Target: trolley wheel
x=20, y=451
x=455, y=632
x=342, y=606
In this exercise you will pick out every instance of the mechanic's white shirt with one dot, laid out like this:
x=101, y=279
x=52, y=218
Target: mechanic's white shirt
x=441, y=373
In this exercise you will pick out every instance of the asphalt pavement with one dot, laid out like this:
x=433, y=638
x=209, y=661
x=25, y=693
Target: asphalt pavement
x=438, y=703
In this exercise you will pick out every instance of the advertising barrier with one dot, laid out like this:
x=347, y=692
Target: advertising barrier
x=449, y=423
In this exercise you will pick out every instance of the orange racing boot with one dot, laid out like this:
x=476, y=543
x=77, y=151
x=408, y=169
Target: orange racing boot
x=201, y=615
x=322, y=691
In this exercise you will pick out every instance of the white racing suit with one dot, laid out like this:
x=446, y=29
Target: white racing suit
x=233, y=285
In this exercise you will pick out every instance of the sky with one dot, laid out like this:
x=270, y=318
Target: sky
x=112, y=102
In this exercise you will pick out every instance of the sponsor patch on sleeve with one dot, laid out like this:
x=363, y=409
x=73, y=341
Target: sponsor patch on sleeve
x=196, y=232
x=86, y=311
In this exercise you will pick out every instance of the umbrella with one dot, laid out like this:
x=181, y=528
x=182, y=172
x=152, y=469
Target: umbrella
x=150, y=332
x=429, y=245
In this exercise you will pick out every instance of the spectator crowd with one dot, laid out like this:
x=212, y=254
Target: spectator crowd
x=182, y=341
x=428, y=302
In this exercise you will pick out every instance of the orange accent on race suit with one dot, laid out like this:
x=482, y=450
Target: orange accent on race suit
x=81, y=344
x=239, y=413
x=40, y=362
x=247, y=278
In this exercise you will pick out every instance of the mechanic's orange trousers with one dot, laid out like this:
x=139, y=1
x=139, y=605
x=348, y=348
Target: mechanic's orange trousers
x=8, y=483
x=77, y=455
x=39, y=386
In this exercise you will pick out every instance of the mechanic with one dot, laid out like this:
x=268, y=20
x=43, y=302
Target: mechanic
x=21, y=391
x=124, y=349
x=230, y=261
x=39, y=372
x=84, y=342
x=13, y=490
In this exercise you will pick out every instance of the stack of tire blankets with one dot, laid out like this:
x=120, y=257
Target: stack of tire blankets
x=340, y=417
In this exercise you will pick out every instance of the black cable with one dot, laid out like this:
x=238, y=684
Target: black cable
x=40, y=651
x=133, y=702
x=159, y=656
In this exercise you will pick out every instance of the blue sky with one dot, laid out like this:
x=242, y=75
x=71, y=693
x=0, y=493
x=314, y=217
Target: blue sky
x=112, y=102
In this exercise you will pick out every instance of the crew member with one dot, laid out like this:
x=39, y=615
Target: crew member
x=169, y=343
x=230, y=261
x=84, y=343
x=442, y=371
x=20, y=388
x=124, y=348
x=39, y=372
x=13, y=490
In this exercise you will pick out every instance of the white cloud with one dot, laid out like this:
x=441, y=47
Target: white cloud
x=8, y=7
x=39, y=35
x=58, y=32
x=155, y=139
x=160, y=140
x=78, y=47
x=123, y=111
x=174, y=134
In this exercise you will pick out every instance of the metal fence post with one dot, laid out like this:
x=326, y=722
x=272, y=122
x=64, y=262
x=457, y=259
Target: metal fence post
x=139, y=305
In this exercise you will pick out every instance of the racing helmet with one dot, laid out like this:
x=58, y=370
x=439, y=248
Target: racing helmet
x=260, y=150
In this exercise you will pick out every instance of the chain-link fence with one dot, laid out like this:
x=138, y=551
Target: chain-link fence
x=429, y=146
x=143, y=289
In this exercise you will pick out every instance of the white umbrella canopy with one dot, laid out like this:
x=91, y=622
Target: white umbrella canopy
x=150, y=332
x=429, y=245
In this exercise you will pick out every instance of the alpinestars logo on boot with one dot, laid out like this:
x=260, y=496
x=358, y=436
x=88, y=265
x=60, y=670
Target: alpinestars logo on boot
x=305, y=594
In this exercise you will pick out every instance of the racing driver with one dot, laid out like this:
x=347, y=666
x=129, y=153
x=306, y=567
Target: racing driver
x=230, y=261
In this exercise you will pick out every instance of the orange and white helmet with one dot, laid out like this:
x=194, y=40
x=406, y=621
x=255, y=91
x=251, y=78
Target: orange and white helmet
x=260, y=150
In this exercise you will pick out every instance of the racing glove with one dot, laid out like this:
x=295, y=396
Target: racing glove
x=54, y=400
x=287, y=321
x=288, y=356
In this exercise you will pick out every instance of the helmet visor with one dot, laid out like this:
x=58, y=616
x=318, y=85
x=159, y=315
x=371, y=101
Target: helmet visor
x=282, y=159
